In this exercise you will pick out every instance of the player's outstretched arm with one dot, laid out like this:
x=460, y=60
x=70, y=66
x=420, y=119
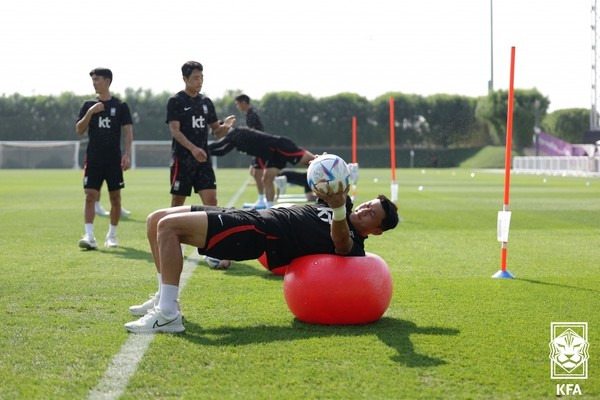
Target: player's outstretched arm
x=221, y=146
x=340, y=232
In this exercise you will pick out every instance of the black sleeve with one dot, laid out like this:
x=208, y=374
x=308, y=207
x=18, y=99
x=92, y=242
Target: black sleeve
x=221, y=146
x=174, y=111
x=212, y=114
x=125, y=115
x=84, y=108
x=253, y=121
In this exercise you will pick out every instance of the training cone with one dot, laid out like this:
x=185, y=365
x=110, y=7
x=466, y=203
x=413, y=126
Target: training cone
x=503, y=275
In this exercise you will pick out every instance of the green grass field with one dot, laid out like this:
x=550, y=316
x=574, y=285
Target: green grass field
x=451, y=331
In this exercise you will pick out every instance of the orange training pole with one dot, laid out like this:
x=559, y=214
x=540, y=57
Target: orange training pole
x=393, y=139
x=509, y=128
x=394, y=185
x=354, y=140
x=504, y=215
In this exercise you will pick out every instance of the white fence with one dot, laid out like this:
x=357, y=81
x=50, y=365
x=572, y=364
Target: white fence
x=557, y=166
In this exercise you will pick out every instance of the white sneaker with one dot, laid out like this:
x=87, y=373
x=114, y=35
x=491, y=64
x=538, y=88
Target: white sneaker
x=156, y=321
x=101, y=211
x=88, y=242
x=125, y=213
x=111, y=241
x=215, y=263
x=142, y=309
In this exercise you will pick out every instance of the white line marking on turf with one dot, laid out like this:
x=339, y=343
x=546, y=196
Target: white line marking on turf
x=124, y=364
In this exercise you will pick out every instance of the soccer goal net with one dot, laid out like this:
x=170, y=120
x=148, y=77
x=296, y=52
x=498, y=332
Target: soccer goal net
x=40, y=154
x=71, y=154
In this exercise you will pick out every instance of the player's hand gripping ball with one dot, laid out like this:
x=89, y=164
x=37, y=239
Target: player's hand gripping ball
x=328, y=169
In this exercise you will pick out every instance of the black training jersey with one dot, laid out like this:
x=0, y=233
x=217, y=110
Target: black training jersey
x=194, y=114
x=304, y=229
x=104, y=130
x=253, y=120
x=246, y=140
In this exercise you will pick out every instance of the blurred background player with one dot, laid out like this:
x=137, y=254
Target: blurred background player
x=242, y=103
x=275, y=151
x=293, y=177
x=103, y=118
x=101, y=212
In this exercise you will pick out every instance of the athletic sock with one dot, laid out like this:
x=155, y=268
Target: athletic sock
x=168, y=299
x=269, y=204
x=89, y=229
x=159, y=284
x=112, y=231
x=261, y=198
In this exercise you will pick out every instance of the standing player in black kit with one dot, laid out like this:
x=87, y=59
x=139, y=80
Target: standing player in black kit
x=103, y=119
x=257, y=166
x=189, y=115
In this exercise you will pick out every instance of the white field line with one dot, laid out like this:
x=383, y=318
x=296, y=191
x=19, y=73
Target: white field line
x=124, y=364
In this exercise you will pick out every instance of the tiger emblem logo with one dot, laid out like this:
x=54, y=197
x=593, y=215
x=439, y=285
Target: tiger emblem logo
x=569, y=350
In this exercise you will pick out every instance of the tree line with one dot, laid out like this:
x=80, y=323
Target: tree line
x=435, y=121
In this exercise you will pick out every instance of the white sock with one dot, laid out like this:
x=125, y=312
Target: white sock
x=98, y=206
x=159, y=284
x=269, y=204
x=168, y=299
x=112, y=230
x=89, y=229
x=261, y=198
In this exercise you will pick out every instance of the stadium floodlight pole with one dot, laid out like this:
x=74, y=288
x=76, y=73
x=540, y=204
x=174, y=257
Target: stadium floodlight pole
x=504, y=215
x=394, y=185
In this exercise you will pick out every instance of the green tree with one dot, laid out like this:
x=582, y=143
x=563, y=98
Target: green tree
x=492, y=110
x=290, y=114
x=333, y=122
x=450, y=118
x=409, y=115
x=569, y=124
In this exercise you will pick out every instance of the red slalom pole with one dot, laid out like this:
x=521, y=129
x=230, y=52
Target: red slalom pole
x=354, y=140
x=394, y=185
x=504, y=215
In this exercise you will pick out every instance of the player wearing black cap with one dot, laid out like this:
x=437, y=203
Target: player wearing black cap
x=257, y=167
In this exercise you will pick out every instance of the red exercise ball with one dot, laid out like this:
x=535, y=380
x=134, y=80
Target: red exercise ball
x=336, y=290
x=277, y=271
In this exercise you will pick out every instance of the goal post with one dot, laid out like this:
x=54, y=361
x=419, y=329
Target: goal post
x=40, y=154
x=71, y=154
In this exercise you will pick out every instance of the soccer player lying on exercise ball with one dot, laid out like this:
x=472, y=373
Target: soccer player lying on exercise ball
x=326, y=227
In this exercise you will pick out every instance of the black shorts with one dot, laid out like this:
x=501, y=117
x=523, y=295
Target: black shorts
x=285, y=151
x=95, y=174
x=257, y=163
x=234, y=234
x=188, y=174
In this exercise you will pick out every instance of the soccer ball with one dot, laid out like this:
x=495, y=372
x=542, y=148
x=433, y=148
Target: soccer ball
x=325, y=169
